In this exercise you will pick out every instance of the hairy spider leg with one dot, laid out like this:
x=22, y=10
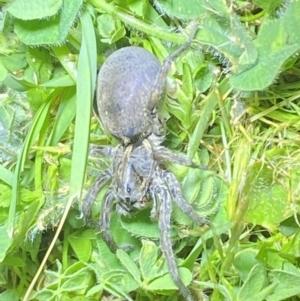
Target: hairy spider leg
x=93, y=192
x=163, y=154
x=104, y=223
x=175, y=191
x=102, y=150
x=122, y=168
x=164, y=222
x=160, y=82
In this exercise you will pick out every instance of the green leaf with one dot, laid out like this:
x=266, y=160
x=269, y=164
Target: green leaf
x=105, y=25
x=185, y=106
x=114, y=288
x=34, y=9
x=14, y=62
x=198, y=186
x=129, y=283
x=264, y=196
x=268, y=5
x=227, y=294
x=229, y=38
x=245, y=42
x=62, y=81
x=261, y=75
x=14, y=261
x=289, y=226
x=182, y=9
x=275, y=43
x=287, y=285
x=202, y=190
x=6, y=240
x=44, y=295
x=176, y=108
x=202, y=75
x=24, y=220
x=9, y=295
x=94, y=290
x=3, y=71
x=41, y=63
x=252, y=287
x=105, y=259
x=295, y=244
x=147, y=259
x=26, y=196
x=129, y=264
x=270, y=256
x=138, y=7
x=213, y=34
x=6, y=175
x=220, y=28
x=142, y=226
x=49, y=31
x=81, y=245
x=244, y=262
x=110, y=29
x=77, y=281
x=151, y=266
x=36, y=97
x=165, y=283
x=122, y=236
x=17, y=84
x=62, y=54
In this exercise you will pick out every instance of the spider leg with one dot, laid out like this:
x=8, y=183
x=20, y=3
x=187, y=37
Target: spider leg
x=166, y=244
x=175, y=190
x=104, y=223
x=163, y=154
x=92, y=193
x=154, y=214
x=160, y=82
x=102, y=150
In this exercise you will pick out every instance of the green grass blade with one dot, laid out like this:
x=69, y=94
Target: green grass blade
x=64, y=116
x=85, y=86
x=6, y=175
x=211, y=101
x=9, y=227
x=86, y=65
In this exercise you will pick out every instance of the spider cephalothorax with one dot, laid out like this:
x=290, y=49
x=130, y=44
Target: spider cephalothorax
x=127, y=109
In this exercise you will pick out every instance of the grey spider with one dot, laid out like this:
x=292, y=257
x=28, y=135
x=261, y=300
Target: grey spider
x=131, y=82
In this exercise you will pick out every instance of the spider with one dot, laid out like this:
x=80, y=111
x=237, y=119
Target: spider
x=130, y=84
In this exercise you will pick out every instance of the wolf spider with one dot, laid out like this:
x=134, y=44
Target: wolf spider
x=137, y=174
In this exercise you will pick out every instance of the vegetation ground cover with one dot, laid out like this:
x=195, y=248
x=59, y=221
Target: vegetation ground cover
x=235, y=109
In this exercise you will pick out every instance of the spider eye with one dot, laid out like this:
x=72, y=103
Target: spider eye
x=128, y=189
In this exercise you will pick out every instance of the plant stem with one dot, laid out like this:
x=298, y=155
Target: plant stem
x=138, y=24
x=251, y=18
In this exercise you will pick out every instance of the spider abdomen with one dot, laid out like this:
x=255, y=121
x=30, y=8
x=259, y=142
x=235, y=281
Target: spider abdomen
x=125, y=84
